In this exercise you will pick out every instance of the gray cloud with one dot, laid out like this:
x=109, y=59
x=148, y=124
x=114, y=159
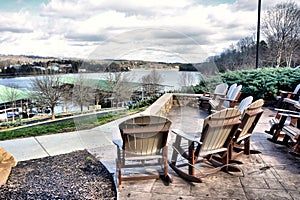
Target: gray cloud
x=183, y=28
x=14, y=29
x=242, y=5
x=85, y=37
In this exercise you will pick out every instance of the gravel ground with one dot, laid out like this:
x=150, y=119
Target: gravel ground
x=77, y=175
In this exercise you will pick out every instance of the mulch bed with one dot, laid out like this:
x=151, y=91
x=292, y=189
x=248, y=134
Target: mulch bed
x=76, y=175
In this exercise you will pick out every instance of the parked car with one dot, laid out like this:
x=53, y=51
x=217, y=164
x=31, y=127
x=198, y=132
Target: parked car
x=12, y=113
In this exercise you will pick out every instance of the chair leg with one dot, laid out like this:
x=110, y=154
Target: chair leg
x=191, y=158
x=247, y=146
x=167, y=177
x=274, y=139
x=247, y=150
x=118, y=172
x=176, y=146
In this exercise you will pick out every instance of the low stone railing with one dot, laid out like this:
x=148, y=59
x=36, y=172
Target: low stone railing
x=161, y=106
x=164, y=104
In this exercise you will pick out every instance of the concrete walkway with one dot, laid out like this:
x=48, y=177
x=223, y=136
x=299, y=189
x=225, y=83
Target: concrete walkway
x=274, y=174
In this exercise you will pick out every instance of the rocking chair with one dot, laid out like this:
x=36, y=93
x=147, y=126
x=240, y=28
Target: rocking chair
x=216, y=137
x=250, y=118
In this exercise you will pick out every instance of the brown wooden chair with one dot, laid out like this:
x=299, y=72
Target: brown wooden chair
x=216, y=137
x=282, y=118
x=285, y=129
x=144, y=144
x=250, y=118
x=289, y=95
x=293, y=133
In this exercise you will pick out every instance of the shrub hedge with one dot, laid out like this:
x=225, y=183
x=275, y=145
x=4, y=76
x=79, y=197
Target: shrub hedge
x=260, y=83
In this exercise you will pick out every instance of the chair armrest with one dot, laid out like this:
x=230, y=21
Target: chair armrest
x=226, y=99
x=287, y=111
x=220, y=94
x=186, y=136
x=214, y=95
x=290, y=115
x=285, y=92
x=206, y=93
x=290, y=101
x=119, y=143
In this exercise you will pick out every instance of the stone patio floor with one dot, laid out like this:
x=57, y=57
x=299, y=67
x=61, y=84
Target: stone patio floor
x=273, y=174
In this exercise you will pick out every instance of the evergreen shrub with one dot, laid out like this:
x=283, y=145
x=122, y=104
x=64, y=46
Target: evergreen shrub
x=260, y=83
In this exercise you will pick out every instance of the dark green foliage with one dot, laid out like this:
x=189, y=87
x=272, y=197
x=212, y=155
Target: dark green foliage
x=16, y=123
x=260, y=83
x=264, y=82
x=143, y=103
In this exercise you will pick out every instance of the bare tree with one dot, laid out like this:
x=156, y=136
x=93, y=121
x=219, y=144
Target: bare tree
x=186, y=80
x=119, y=86
x=12, y=94
x=246, y=56
x=47, y=91
x=84, y=92
x=67, y=96
x=151, y=82
x=281, y=27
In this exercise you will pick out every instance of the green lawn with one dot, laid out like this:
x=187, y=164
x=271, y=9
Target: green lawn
x=65, y=126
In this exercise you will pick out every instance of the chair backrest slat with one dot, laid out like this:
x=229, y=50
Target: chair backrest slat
x=250, y=117
x=245, y=103
x=230, y=90
x=221, y=88
x=144, y=135
x=218, y=128
x=233, y=96
x=297, y=89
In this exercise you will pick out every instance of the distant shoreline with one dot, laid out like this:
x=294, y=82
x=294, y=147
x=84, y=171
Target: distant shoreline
x=32, y=75
x=171, y=69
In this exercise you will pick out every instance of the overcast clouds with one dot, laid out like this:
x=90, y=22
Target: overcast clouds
x=162, y=30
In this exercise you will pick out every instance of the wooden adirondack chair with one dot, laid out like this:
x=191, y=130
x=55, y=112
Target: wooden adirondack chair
x=250, y=118
x=227, y=102
x=287, y=94
x=220, y=91
x=244, y=104
x=144, y=144
x=216, y=137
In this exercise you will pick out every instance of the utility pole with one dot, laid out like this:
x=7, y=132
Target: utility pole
x=258, y=33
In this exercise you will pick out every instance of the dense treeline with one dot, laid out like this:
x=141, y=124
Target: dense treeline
x=38, y=67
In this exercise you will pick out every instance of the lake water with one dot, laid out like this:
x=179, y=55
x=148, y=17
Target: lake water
x=170, y=78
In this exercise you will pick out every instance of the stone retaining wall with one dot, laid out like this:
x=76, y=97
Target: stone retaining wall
x=164, y=104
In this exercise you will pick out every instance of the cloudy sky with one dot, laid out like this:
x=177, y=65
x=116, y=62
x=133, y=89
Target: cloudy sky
x=160, y=30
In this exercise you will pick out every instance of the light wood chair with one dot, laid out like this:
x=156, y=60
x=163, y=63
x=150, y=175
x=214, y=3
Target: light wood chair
x=143, y=145
x=227, y=102
x=216, y=137
x=250, y=118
